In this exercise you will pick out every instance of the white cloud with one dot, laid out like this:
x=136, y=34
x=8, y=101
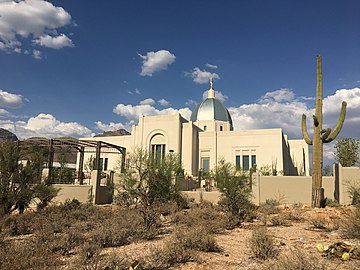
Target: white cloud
x=56, y=42
x=36, y=54
x=45, y=125
x=136, y=91
x=220, y=96
x=156, y=61
x=4, y=112
x=281, y=95
x=109, y=127
x=148, y=101
x=212, y=66
x=281, y=108
x=191, y=102
x=132, y=113
x=31, y=19
x=201, y=76
x=163, y=102
x=10, y=100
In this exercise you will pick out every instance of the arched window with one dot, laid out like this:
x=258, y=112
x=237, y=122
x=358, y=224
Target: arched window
x=158, y=147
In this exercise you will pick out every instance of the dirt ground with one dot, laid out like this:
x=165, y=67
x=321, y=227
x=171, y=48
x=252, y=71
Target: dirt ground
x=298, y=234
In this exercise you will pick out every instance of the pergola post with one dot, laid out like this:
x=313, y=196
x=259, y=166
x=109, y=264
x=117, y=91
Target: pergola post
x=123, y=152
x=96, y=183
x=81, y=166
x=50, y=161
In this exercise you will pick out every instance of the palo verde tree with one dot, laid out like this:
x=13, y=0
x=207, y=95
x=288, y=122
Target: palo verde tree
x=235, y=186
x=150, y=181
x=320, y=136
x=347, y=152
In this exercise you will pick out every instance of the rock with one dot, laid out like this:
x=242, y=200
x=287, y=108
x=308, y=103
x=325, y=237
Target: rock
x=6, y=135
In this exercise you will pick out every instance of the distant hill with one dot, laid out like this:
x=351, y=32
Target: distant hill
x=120, y=132
x=6, y=135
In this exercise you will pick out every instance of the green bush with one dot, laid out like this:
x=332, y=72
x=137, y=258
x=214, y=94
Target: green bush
x=236, y=191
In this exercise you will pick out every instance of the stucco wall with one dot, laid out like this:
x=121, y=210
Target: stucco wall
x=80, y=193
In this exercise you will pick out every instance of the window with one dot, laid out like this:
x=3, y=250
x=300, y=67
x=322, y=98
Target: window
x=245, y=161
x=237, y=162
x=221, y=128
x=205, y=164
x=158, y=152
x=253, y=161
x=103, y=164
x=205, y=128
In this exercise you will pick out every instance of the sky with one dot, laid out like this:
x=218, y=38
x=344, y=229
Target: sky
x=78, y=68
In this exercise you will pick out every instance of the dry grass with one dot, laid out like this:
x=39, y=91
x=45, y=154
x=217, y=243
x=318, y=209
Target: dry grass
x=296, y=260
x=261, y=244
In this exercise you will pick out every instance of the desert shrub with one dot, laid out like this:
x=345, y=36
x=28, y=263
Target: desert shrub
x=163, y=257
x=279, y=220
x=293, y=216
x=271, y=206
x=197, y=238
x=331, y=203
x=236, y=190
x=319, y=222
x=180, y=247
x=296, y=260
x=17, y=224
x=353, y=190
x=20, y=255
x=209, y=217
x=352, y=226
x=262, y=244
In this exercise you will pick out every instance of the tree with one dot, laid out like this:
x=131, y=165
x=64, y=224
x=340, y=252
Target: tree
x=347, y=152
x=19, y=183
x=149, y=181
x=235, y=188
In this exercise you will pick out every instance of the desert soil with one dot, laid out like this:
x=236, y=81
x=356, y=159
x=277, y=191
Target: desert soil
x=295, y=236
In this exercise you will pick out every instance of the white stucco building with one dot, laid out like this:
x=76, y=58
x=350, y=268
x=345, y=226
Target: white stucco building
x=208, y=137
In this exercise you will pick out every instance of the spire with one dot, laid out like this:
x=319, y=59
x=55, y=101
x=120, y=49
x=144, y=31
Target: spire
x=211, y=92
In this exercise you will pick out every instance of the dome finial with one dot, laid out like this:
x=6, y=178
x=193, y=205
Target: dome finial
x=211, y=92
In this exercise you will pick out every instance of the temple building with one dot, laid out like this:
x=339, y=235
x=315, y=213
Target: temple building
x=208, y=137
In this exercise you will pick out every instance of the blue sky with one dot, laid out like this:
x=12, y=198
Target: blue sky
x=81, y=67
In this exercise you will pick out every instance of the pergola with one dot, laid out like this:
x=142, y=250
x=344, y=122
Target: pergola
x=82, y=146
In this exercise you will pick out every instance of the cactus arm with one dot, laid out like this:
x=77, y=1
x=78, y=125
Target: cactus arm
x=326, y=133
x=339, y=124
x=316, y=121
x=304, y=130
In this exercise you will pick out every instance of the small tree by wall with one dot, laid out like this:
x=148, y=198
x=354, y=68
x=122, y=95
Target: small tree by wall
x=347, y=152
x=236, y=189
x=150, y=181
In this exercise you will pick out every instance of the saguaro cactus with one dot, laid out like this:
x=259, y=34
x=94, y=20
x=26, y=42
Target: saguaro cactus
x=320, y=136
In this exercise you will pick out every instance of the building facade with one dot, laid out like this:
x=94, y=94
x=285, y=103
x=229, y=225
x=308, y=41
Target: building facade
x=208, y=137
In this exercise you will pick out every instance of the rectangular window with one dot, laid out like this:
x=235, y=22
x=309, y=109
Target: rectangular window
x=221, y=128
x=205, y=164
x=245, y=161
x=253, y=161
x=237, y=162
x=106, y=164
x=205, y=128
x=101, y=164
x=158, y=152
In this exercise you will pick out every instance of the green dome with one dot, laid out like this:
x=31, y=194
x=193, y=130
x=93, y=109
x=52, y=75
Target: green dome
x=211, y=109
